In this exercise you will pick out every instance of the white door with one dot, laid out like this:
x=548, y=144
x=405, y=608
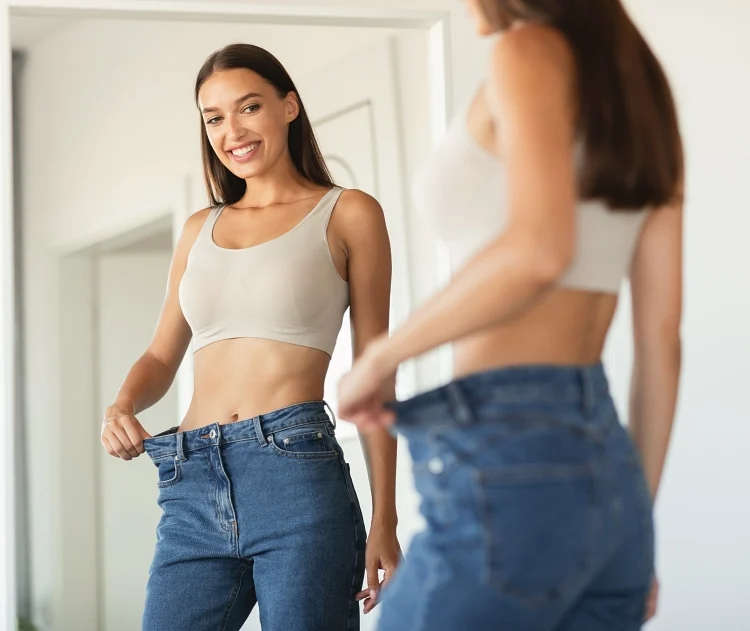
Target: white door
x=131, y=289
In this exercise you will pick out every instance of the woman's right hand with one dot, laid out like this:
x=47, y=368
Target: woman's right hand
x=122, y=433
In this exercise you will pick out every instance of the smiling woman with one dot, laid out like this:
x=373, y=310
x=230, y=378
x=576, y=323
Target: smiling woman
x=260, y=282
x=275, y=103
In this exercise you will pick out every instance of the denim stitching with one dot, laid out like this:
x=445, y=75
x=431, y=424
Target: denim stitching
x=320, y=421
x=320, y=455
x=353, y=505
x=513, y=474
x=431, y=585
x=175, y=479
x=233, y=597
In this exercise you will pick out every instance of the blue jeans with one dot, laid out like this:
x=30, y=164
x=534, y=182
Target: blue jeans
x=538, y=516
x=259, y=511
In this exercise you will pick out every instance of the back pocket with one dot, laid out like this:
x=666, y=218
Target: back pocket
x=541, y=526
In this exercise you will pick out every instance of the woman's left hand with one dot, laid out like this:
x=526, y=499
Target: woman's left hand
x=383, y=553
x=362, y=390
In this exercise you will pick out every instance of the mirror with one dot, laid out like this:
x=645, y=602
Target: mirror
x=109, y=169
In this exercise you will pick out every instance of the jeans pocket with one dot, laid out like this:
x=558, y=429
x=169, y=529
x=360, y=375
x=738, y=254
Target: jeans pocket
x=168, y=471
x=541, y=524
x=311, y=440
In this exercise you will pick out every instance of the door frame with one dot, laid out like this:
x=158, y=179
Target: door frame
x=436, y=22
x=79, y=486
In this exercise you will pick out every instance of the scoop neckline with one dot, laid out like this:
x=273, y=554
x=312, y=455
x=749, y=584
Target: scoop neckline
x=257, y=245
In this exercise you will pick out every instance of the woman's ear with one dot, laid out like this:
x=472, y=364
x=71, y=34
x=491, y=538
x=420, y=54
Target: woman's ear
x=292, y=107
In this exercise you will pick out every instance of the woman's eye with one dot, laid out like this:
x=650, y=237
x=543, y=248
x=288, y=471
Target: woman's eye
x=251, y=108
x=212, y=121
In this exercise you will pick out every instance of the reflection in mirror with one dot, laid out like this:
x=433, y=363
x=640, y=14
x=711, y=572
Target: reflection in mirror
x=110, y=171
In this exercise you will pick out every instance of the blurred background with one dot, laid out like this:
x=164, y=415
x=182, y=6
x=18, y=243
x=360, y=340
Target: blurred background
x=107, y=169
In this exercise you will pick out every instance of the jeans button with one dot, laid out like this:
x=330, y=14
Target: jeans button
x=212, y=434
x=435, y=466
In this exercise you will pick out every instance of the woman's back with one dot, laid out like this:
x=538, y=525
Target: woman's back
x=463, y=192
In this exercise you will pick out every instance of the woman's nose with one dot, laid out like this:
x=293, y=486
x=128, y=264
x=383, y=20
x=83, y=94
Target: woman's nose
x=236, y=131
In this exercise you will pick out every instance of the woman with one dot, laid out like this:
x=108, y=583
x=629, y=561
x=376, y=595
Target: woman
x=258, y=505
x=564, y=172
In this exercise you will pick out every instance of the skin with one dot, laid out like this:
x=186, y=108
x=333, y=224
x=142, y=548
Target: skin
x=503, y=307
x=241, y=378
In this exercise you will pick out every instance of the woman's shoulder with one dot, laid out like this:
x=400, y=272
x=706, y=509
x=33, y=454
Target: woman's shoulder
x=195, y=222
x=192, y=227
x=357, y=212
x=533, y=47
x=357, y=200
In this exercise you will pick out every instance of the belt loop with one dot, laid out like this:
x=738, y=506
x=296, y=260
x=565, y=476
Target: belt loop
x=333, y=414
x=179, y=436
x=588, y=391
x=458, y=404
x=259, y=431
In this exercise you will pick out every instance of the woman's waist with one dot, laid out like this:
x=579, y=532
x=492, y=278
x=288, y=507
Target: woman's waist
x=226, y=408
x=205, y=431
x=489, y=352
x=518, y=396
x=228, y=391
x=563, y=329
x=237, y=365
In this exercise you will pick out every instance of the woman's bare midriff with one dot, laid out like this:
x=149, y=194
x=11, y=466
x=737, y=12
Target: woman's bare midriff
x=565, y=327
x=238, y=379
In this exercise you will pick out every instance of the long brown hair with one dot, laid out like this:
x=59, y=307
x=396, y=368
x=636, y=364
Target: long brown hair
x=627, y=120
x=222, y=185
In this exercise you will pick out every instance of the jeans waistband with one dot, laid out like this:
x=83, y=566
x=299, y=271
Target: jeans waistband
x=173, y=443
x=525, y=385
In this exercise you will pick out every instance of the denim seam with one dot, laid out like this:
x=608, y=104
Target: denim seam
x=353, y=507
x=320, y=455
x=173, y=480
x=322, y=421
x=325, y=420
x=513, y=474
x=220, y=512
x=483, y=512
x=431, y=584
x=233, y=597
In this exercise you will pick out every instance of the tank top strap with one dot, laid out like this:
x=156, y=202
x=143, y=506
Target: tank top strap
x=207, y=229
x=322, y=213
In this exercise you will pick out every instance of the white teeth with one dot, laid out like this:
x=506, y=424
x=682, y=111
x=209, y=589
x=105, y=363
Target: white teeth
x=245, y=150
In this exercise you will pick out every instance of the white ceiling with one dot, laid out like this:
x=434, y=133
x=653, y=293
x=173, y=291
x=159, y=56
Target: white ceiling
x=329, y=42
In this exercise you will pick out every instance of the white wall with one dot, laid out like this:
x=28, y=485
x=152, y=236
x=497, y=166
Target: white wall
x=704, y=553
x=702, y=521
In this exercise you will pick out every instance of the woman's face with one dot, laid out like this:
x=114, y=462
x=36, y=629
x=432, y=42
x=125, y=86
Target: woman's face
x=245, y=120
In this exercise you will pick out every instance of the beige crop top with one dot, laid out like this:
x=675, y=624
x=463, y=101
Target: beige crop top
x=286, y=289
x=460, y=191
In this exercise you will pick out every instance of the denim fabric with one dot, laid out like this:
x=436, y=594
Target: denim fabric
x=538, y=516
x=259, y=511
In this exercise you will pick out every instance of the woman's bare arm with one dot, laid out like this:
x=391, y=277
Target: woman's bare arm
x=656, y=285
x=153, y=373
